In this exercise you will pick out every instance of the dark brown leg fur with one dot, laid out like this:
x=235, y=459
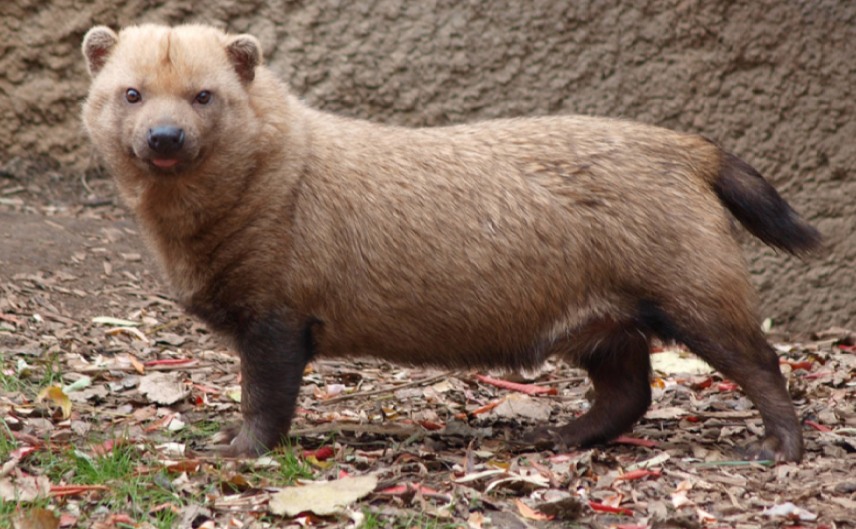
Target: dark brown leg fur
x=618, y=364
x=273, y=354
x=728, y=337
x=753, y=364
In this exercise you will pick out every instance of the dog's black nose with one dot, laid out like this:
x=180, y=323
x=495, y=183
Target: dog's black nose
x=166, y=139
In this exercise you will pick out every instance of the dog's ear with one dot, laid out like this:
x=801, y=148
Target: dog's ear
x=245, y=52
x=98, y=44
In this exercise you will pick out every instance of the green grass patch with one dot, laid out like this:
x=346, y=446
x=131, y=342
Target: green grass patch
x=7, y=441
x=13, y=381
x=131, y=491
x=291, y=467
x=52, y=375
x=198, y=431
x=371, y=520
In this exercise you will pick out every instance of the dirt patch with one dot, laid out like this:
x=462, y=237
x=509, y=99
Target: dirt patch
x=68, y=240
x=80, y=251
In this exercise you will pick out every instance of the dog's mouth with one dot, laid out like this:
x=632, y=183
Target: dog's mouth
x=164, y=163
x=162, y=166
x=155, y=163
x=159, y=166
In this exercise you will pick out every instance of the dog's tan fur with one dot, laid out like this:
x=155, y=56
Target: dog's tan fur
x=494, y=244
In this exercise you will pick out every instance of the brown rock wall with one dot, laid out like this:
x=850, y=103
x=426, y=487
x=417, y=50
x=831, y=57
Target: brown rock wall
x=771, y=80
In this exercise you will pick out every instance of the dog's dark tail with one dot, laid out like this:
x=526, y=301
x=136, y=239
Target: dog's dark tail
x=757, y=205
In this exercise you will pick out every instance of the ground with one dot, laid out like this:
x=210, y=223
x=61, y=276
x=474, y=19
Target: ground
x=772, y=81
x=109, y=422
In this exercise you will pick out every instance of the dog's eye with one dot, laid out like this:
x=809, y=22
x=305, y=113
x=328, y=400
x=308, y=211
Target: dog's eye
x=132, y=96
x=203, y=97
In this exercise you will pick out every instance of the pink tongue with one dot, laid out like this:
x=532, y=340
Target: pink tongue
x=164, y=163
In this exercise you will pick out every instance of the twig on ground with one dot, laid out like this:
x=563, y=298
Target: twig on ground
x=384, y=429
x=562, y=381
x=167, y=325
x=388, y=390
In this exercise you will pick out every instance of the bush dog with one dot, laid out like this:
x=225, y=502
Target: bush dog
x=298, y=234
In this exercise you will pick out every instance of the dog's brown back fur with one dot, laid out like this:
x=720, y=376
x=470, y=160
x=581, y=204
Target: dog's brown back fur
x=493, y=244
x=498, y=236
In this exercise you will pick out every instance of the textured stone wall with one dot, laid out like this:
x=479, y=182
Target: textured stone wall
x=771, y=80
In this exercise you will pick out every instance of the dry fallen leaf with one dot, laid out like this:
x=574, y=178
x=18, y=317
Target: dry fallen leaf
x=671, y=362
x=323, y=499
x=58, y=398
x=36, y=519
x=164, y=388
x=705, y=517
x=138, y=366
x=131, y=331
x=475, y=520
x=529, y=513
x=667, y=413
x=107, y=320
x=18, y=487
x=657, y=460
x=170, y=338
x=79, y=384
x=518, y=405
x=789, y=511
x=525, y=476
x=679, y=497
